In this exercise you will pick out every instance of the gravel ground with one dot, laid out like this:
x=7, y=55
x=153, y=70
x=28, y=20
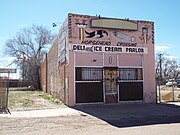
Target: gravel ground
x=118, y=119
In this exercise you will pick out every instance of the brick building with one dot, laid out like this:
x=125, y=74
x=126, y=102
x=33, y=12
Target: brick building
x=96, y=59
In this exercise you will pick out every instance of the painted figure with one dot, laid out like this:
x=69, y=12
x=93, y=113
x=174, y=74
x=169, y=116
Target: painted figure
x=97, y=33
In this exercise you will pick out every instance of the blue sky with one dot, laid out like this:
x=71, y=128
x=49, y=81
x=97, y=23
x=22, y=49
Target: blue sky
x=16, y=14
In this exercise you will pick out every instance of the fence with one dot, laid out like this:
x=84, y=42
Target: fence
x=168, y=93
x=3, y=93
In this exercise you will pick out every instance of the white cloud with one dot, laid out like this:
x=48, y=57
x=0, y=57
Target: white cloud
x=161, y=48
x=170, y=57
x=9, y=59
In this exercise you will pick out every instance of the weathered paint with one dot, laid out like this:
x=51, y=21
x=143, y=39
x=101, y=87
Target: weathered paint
x=80, y=32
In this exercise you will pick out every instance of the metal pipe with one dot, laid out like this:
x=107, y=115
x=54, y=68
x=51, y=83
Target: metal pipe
x=7, y=91
x=46, y=73
x=173, y=89
x=159, y=93
x=65, y=75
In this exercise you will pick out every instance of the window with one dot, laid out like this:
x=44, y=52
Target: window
x=89, y=74
x=130, y=74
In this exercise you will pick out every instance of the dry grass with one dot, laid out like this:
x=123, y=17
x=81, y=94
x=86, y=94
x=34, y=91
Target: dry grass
x=31, y=100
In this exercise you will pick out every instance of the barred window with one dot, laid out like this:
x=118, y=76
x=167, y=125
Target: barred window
x=130, y=74
x=89, y=74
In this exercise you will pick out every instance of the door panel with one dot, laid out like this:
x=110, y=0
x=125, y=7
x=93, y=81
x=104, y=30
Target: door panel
x=110, y=85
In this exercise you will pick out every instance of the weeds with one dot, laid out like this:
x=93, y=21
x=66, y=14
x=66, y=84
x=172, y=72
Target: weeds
x=27, y=103
x=50, y=98
x=20, y=100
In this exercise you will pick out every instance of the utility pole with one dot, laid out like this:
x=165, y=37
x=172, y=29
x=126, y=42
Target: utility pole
x=173, y=90
x=160, y=76
x=23, y=74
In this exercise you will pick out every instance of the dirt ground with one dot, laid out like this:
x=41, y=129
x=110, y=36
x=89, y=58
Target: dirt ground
x=167, y=93
x=92, y=124
x=120, y=119
x=78, y=125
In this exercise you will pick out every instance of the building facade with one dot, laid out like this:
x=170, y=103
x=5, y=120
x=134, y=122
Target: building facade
x=103, y=60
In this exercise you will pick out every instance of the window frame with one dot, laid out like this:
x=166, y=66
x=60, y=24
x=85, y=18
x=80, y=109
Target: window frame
x=136, y=76
x=86, y=74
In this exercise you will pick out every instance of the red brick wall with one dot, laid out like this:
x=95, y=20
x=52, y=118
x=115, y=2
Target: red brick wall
x=52, y=67
x=55, y=73
x=43, y=76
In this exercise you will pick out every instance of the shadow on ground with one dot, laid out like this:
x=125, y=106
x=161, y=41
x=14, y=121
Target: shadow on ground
x=129, y=115
x=4, y=111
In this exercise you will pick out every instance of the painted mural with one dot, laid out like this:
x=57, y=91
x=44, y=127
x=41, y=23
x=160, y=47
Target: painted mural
x=123, y=36
x=97, y=34
x=130, y=33
x=144, y=36
x=81, y=24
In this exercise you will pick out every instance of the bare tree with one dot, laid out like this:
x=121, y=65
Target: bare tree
x=166, y=68
x=171, y=69
x=29, y=47
x=159, y=61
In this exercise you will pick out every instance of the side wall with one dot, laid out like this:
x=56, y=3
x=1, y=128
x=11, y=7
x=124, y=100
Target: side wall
x=55, y=83
x=43, y=76
x=52, y=68
x=56, y=67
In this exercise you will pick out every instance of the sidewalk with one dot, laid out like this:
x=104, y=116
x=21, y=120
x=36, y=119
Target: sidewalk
x=106, y=112
x=101, y=119
x=42, y=113
x=174, y=103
